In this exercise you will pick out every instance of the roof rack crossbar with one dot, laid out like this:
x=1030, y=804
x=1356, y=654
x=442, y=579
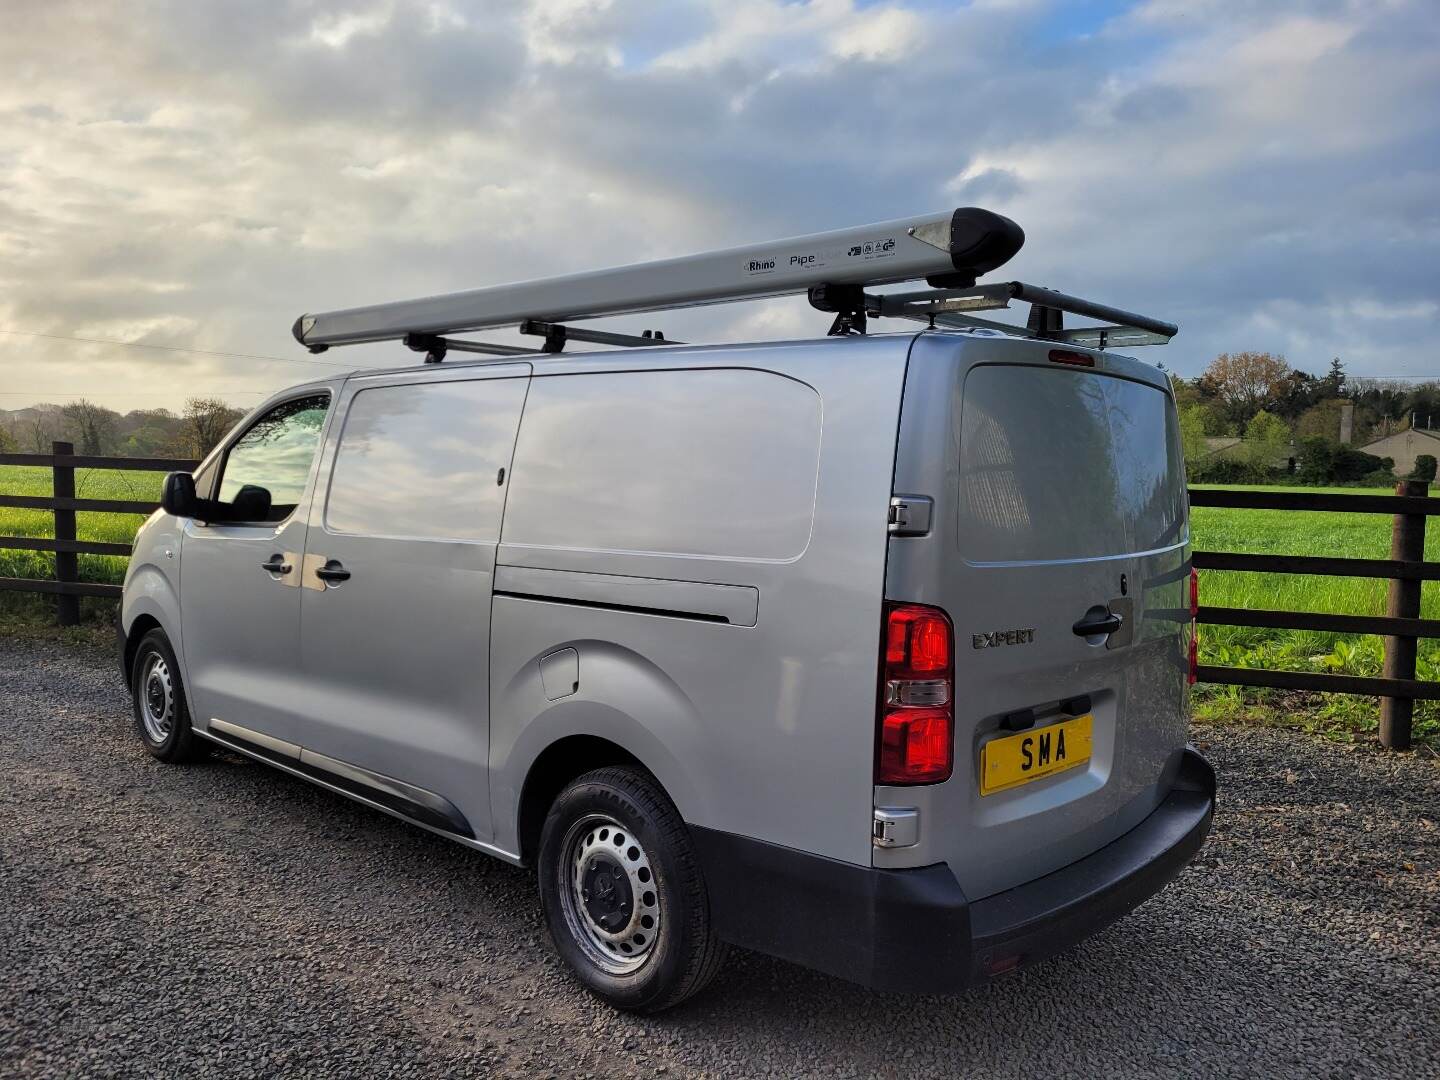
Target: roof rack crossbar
x=1034, y=294
x=435, y=347
x=559, y=333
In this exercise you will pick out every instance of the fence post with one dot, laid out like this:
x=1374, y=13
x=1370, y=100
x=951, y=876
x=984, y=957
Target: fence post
x=67, y=608
x=1407, y=542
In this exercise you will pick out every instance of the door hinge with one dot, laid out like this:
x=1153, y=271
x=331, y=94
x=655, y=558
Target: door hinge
x=895, y=826
x=910, y=515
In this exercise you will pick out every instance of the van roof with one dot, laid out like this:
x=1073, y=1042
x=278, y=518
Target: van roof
x=659, y=356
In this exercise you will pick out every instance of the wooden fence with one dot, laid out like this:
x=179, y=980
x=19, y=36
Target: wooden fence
x=1401, y=625
x=63, y=461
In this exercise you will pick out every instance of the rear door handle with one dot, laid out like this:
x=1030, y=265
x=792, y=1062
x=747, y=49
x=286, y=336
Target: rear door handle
x=332, y=571
x=276, y=565
x=1093, y=624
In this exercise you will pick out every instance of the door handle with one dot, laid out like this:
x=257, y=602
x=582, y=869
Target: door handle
x=1095, y=623
x=332, y=571
x=276, y=565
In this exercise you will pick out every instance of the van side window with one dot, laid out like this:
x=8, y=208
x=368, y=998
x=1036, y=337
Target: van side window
x=424, y=460
x=266, y=469
x=713, y=462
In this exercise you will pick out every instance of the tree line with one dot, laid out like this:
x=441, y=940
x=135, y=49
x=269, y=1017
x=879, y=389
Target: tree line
x=98, y=431
x=1288, y=422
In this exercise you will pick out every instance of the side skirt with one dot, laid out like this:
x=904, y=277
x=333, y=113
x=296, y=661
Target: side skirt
x=407, y=802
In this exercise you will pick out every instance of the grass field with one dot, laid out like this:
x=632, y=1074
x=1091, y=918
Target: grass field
x=109, y=528
x=1213, y=529
x=1283, y=532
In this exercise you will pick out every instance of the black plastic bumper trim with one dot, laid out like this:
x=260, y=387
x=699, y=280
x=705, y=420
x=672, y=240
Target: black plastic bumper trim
x=914, y=930
x=122, y=647
x=412, y=802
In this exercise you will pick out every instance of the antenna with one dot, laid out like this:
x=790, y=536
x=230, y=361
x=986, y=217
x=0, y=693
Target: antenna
x=949, y=251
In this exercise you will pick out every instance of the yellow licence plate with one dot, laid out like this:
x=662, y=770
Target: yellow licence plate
x=1042, y=751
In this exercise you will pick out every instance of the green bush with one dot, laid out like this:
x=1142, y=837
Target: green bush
x=1222, y=470
x=1380, y=478
x=1316, y=460
x=1424, y=468
x=1322, y=462
x=1353, y=464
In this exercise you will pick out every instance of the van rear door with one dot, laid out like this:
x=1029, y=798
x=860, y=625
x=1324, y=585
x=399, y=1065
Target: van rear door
x=1060, y=505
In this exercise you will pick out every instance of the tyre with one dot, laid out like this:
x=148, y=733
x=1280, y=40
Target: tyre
x=623, y=894
x=158, y=699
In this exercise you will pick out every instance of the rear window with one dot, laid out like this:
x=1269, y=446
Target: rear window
x=1058, y=464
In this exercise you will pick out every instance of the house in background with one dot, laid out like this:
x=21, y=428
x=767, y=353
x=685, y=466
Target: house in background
x=1404, y=447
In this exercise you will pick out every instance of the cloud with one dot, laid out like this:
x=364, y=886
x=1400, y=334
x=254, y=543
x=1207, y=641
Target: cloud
x=195, y=174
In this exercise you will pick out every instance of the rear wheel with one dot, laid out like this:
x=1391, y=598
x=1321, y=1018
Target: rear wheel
x=623, y=894
x=158, y=699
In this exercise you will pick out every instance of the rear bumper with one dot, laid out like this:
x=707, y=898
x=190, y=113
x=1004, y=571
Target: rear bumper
x=914, y=930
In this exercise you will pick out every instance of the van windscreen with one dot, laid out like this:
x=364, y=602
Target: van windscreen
x=1057, y=464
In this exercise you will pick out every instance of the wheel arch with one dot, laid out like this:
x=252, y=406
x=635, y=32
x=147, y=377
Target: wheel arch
x=150, y=600
x=555, y=767
x=141, y=625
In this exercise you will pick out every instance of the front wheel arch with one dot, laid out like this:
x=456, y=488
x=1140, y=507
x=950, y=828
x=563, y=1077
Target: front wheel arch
x=142, y=625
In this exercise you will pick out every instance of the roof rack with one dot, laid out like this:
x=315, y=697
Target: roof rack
x=951, y=307
x=949, y=251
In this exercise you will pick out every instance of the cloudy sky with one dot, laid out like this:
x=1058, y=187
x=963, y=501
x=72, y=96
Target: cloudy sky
x=195, y=175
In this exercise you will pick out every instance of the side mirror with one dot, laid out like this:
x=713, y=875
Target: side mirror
x=177, y=497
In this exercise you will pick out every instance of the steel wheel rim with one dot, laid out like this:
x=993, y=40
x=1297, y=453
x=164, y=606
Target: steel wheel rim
x=157, y=699
x=597, y=849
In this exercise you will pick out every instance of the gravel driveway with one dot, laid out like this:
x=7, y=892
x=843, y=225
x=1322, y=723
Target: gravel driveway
x=224, y=919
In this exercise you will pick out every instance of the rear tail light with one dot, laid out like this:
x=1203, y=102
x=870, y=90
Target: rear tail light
x=1194, y=672
x=1074, y=359
x=917, y=693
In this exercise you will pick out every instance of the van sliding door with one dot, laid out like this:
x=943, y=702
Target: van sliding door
x=395, y=609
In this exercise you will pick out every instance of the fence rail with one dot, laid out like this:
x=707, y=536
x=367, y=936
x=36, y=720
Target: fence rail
x=1315, y=564
x=72, y=504
x=63, y=461
x=1401, y=625
x=83, y=461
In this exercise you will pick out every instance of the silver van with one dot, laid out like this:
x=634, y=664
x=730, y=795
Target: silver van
x=869, y=652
